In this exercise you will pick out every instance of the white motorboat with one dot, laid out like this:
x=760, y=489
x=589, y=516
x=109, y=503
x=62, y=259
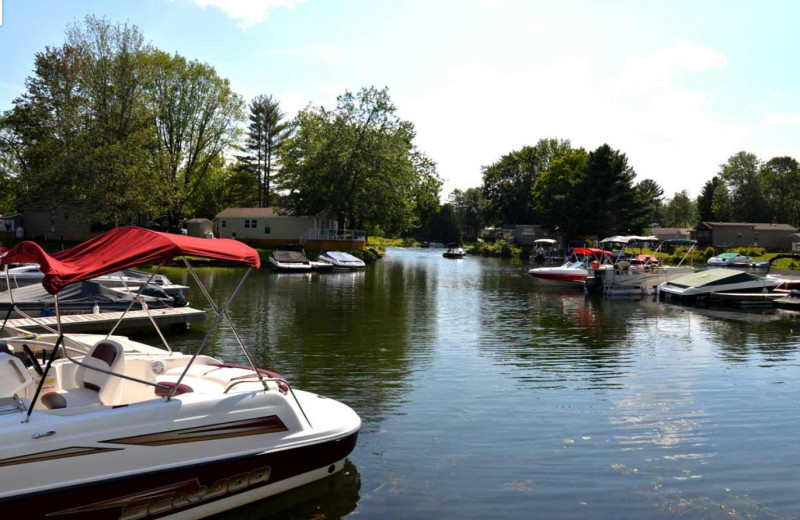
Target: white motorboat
x=730, y=260
x=703, y=284
x=112, y=428
x=290, y=258
x=640, y=275
x=575, y=269
x=341, y=260
x=454, y=251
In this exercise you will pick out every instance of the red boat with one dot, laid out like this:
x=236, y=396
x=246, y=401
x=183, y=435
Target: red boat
x=575, y=270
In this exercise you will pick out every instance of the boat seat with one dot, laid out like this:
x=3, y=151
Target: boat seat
x=93, y=386
x=14, y=377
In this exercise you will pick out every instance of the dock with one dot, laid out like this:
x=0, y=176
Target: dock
x=173, y=316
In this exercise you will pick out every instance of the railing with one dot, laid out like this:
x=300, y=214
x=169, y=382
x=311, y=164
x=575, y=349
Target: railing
x=333, y=234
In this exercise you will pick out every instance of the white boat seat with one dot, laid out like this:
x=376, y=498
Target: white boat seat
x=14, y=377
x=94, y=387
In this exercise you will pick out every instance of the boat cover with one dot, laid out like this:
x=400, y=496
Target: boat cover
x=290, y=257
x=711, y=277
x=121, y=248
x=342, y=256
x=84, y=292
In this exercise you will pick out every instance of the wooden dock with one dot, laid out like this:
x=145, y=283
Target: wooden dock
x=104, y=321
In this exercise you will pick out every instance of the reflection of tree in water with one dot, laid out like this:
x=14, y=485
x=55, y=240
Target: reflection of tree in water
x=332, y=497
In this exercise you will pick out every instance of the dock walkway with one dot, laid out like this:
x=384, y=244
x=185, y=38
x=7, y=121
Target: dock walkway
x=106, y=320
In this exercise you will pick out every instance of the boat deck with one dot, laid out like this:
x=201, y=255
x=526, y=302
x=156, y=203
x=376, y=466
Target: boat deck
x=105, y=320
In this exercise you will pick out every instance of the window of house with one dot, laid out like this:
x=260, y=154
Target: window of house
x=223, y=223
x=267, y=229
x=250, y=223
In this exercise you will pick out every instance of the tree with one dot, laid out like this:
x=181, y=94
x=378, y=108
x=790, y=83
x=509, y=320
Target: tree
x=508, y=184
x=651, y=195
x=705, y=211
x=680, y=211
x=721, y=204
x=359, y=164
x=195, y=114
x=9, y=167
x=556, y=193
x=265, y=135
x=740, y=175
x=609, y=201
x=780, y=184
x=469, y=208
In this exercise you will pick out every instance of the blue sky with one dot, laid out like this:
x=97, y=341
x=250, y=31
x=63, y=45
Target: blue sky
x=678, y=86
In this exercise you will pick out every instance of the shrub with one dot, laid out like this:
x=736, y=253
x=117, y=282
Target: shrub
x=708, y=253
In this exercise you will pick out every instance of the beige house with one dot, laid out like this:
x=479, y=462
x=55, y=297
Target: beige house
x=270, y=227
x=721, y=235
x=199, y=227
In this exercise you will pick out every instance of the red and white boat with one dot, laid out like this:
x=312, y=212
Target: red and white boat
x=105, y=427
x=575, y=270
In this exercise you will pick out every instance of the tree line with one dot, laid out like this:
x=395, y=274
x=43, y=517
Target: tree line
x=124, y=131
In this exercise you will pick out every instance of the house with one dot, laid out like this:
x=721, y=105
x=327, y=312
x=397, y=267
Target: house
x=721, y=235
x=46, y=222
x=9, y=225
x=271, y=227
x=672, y=233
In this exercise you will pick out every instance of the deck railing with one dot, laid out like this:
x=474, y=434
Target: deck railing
x=333, y=234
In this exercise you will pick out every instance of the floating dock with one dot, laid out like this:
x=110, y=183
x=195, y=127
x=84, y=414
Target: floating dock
x=173, y=316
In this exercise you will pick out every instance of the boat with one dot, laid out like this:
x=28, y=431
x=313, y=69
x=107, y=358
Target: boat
x=454, y=251
x=107, y=427
x=575, y=269
x=290, y=258
x=30, y=274
x=703, y=285
x=730, y=260
x=791, y=301
x=341, y=260
x=543, y=250
x=87, y=297
x=639, y=275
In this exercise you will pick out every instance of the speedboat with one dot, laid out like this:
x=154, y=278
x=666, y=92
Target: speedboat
x=729, y=260
x=290, y=258
x=702, y=285
x=100, y=426
x=341, y=260
x=575, y=270
x=454, y=251
x=640, y=275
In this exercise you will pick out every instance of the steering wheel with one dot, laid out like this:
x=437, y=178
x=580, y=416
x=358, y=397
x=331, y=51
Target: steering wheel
x=34, y=362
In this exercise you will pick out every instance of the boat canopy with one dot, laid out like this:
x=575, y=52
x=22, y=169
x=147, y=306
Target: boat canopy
x=544, y=241
x=628, y=239
x=588, y=251
x=121, y=248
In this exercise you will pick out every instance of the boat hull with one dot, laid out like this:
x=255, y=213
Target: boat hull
x=190, y=491
x=558, y=276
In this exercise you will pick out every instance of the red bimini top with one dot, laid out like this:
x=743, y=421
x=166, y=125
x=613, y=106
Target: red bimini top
x=122, y=248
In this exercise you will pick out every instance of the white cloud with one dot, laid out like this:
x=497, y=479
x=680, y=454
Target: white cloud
x=247, y=12
x=326, y=52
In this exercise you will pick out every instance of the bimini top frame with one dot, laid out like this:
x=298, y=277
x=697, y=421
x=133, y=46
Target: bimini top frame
x=126, y=247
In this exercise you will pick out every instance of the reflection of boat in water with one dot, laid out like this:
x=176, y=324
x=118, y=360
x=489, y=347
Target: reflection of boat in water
x=705, y=286
x=109, y=427
x=575, y=270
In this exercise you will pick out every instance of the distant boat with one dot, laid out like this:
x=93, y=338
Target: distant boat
x=729, y=260
x=341, y=260
x=290, y=258
x=702, y=284
x=454, y=251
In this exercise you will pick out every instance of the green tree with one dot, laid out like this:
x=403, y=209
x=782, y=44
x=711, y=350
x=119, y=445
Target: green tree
x=557, y=193
x=10, y=167
x=705, y=210
x=780, y=184
x=359, y=164
x=721, y=204
x=265, y=135
x=195, y=114
x=740, y=174
x=651, y=197
x=508, y=184
x=680, y=210
x=469, y=208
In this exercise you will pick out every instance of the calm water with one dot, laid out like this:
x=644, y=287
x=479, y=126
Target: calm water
x=485, y=395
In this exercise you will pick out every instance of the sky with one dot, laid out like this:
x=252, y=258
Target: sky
x=677, y=86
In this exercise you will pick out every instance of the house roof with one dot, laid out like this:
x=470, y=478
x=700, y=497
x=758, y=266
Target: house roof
x=670, y=231
x=253, y=212
x=757, y=226
x=197, y=221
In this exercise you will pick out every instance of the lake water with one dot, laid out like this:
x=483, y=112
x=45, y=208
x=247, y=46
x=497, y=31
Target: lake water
x=486, y=395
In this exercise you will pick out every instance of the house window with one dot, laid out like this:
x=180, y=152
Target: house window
x=223, y=223
x=250, y=223
x=267, y=229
